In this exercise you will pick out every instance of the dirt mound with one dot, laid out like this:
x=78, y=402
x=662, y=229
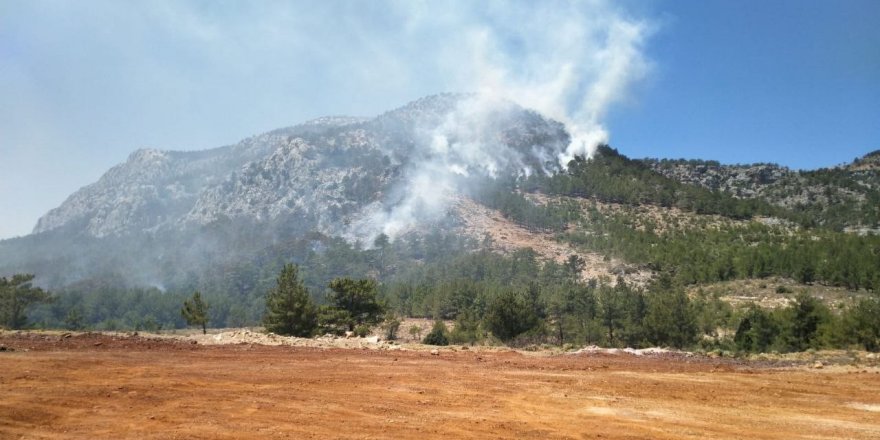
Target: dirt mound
x=630, y=351
x=245, y=336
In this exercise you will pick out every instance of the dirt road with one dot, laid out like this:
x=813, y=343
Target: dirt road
x=94, y=386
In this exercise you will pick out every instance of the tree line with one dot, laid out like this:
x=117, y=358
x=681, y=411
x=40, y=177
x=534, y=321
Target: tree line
x=518, y=301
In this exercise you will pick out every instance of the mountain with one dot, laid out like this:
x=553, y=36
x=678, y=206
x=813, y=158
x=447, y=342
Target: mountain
x=350, y=180
x=451, y=202
x=322, y=173
x=334, y=177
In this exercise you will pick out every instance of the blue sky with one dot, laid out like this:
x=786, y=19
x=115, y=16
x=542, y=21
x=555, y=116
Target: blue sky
x=792, y=82
x=82, y=84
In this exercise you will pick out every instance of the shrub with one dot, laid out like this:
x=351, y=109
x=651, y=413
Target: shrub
x=362, y=331
x=437, y=336
x=391, y=328
x=466, y=330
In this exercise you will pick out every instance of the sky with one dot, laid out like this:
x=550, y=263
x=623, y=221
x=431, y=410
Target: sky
x=83, y=84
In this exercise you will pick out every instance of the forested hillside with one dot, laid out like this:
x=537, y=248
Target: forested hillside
x=619, y=250
x=746, y=238
x=845, y=197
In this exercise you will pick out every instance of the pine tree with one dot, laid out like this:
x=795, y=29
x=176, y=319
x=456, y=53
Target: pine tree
x=16, y=295
x=861, y=323
x=671, y=319
x=610, y=311
x=358, y=299
x=509, y=315
x=195, y=311
x=757, y=331
x=806, y=316
x=289, y=308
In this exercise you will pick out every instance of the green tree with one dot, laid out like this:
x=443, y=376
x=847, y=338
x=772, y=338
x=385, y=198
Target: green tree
x=634, y=331
x=391, y=326
x=712, y=314
x=509, y=315
x=467, y=328
x=575, y=264
x=381, y=241
x=584, y=310
x=611, y=311
x=195, y=311
x=74, y=319
x=861, y=324
x=671, y=319
x=757, y=331
x=806, y=316
x=16, y=295
x=289, y=308
x=437, y=335
x=558, y=309
x=358, y=299
x=332, y=320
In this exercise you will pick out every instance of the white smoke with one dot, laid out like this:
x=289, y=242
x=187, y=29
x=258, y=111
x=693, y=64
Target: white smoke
x=570, y=61
x=462, y=145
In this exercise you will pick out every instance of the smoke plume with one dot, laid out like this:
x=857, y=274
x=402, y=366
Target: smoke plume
x=570, y=61
x=580, y=58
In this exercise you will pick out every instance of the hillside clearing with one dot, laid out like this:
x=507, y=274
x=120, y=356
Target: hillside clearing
x=507, y=237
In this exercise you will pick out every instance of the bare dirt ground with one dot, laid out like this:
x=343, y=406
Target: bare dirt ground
x=508, y=237
x=114, y=386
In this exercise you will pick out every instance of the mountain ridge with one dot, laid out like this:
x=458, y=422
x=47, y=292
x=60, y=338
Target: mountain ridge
x=338, y=182
x=156, y=189
x=844, y=197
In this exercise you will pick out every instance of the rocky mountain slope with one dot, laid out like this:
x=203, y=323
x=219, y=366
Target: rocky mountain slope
x=844, y=197
x=346, y=177
x=157, y=189
x=323, y=173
